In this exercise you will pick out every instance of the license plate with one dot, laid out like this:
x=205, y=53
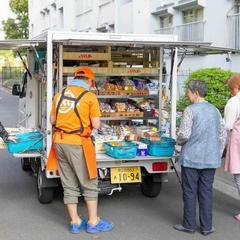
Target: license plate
x=125, y=175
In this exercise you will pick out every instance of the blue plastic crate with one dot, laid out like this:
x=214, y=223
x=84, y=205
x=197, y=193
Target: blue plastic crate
x=121, y=150
x=26, y=142
x=164, y=148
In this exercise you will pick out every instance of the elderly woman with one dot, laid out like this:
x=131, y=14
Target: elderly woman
x=4, y=134
x=232, y=122
x=202, y=136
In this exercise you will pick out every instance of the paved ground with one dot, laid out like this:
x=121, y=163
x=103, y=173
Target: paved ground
x=224, y=182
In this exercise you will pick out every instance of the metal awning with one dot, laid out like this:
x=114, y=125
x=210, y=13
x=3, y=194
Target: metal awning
x=20, y=44
x=207, y=50
x=167, y=42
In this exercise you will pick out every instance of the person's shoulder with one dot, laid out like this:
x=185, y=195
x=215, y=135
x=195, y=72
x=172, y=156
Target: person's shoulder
x=57, y=95
x=233, y=100
x=91, y=94
x=188, y=109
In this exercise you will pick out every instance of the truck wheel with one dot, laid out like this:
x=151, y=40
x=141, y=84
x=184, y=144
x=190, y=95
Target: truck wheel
x=45, y=195
x=25, y=164
x=149, y=188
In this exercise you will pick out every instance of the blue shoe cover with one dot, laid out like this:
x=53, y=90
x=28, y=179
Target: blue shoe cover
x=75, y=228
x=101, y=226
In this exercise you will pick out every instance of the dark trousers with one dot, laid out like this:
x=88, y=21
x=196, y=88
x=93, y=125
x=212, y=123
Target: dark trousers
x=197, y=184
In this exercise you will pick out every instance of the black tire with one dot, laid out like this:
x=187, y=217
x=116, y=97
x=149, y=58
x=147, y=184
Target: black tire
x=149, y=188
x=26, y=164
x=45, y=195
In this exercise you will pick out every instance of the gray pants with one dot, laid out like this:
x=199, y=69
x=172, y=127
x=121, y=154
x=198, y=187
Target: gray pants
x=74, y=174
x=197, y=185
x=237, y=181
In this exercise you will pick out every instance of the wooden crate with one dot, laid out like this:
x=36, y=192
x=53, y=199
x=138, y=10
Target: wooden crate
x=123, y=114
x=134, y=71
x=124, y=92
x=96, y=70
x=144, y=58
x=129, y=57
x=86, y=56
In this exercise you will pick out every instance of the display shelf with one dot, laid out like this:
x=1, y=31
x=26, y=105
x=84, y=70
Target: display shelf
x=122, y=114
x=124, y=92
x=128, y=118
x=125, y=96
x=107, y=62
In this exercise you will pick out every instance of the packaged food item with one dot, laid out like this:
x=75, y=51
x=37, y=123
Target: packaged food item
x=152, y=136
x=120, y=107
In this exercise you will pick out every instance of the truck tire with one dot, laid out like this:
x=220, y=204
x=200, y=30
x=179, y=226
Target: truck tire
x=45, y=195
x=26, y=164
x=149, y=188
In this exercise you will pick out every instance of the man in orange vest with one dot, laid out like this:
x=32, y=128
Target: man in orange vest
x=75, y=111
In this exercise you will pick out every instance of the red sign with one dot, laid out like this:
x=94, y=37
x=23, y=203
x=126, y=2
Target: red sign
x=134, y=71
x=85, y=56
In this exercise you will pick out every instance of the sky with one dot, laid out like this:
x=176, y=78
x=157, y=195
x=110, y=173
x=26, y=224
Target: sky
x=5, y=13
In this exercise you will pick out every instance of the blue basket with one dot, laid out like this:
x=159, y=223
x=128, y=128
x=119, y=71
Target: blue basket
x=165, y=148
x=124, y=150
x=26, y=142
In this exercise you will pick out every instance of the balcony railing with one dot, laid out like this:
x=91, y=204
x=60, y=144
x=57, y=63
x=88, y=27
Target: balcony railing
x=167, y=30
x=233, y=24
x=193, y=31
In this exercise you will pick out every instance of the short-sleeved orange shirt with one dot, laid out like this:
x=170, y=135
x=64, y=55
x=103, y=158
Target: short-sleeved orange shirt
x=88, y=107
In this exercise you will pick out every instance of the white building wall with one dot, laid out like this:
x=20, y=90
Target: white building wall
x=136, y=16
x=215, y=16
x=140, y=16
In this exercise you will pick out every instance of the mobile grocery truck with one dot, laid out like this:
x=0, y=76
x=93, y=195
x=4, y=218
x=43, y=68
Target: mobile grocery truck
x=128, y=70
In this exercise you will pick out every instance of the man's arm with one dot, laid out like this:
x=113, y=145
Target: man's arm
x=96, y=123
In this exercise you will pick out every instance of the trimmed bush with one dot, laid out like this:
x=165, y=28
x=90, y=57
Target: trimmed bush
x=218, y=92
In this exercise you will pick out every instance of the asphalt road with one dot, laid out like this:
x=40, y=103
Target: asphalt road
x=135, y=216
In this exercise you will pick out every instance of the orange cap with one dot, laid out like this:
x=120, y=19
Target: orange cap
x=85, y=72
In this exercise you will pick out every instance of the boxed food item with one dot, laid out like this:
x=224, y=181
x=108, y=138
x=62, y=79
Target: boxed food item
x=142, y=149
x=121, y=149
x=26, y=142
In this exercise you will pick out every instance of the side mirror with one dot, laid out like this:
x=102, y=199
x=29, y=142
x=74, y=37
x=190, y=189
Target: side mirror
x=16, y=89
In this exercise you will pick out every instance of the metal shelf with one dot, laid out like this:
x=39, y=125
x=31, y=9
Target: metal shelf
x=125, y=96
x=122, y=118
x=126, y=75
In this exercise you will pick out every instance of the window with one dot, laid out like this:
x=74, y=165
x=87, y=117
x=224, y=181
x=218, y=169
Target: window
x=166, y=21
x=192, y=15
x=102, y=2
x=192, y=27
x=233, y=24
x=237, y=6
x=83, y=6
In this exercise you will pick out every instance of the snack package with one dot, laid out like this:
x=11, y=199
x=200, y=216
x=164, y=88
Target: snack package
x=152, y=136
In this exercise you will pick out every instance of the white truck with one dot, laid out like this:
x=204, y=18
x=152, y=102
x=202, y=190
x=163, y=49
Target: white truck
x=52, y=59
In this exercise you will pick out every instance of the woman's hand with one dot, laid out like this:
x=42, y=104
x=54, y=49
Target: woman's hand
x=11, y=138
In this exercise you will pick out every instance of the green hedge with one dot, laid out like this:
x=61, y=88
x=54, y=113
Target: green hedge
x=218, y=92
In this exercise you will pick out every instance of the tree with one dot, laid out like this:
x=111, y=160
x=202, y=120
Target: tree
x=17, y=28
x=218, y=92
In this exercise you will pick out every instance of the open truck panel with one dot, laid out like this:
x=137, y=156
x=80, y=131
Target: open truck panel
x=45, y=76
